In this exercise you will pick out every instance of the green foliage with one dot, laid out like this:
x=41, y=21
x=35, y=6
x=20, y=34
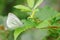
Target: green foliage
x=19, y=13
x=27, y=24
x=22, y=7
x=30, y=3
x=45, y=15
x=55, y=21
x=1, y=20
x=38, y=3
x=3, y=35
x=44, y=24
x=36, y=21
x=33, y=34
x=2, y=5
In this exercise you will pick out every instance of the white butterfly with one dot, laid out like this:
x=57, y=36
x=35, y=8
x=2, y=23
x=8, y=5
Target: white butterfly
x=13, y=21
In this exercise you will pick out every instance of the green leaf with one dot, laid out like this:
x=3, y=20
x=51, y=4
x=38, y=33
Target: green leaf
x=38, y=3
x=22, y=7
x=27, y=25
x=46, y=13
x=18, y=31
x=20, y=14
x=44, y=24
x=56, y=22
x=30, y=3
x=33, y=34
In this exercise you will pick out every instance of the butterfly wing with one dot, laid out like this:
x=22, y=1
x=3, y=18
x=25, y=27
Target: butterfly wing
x=13, y=21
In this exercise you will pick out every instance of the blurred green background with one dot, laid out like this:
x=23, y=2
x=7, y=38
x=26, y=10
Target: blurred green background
x=6, y=6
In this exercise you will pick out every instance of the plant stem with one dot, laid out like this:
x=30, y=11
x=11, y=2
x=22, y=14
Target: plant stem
x=32, y=15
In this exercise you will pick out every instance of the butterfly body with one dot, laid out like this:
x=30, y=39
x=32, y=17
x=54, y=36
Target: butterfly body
x=13, y=21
